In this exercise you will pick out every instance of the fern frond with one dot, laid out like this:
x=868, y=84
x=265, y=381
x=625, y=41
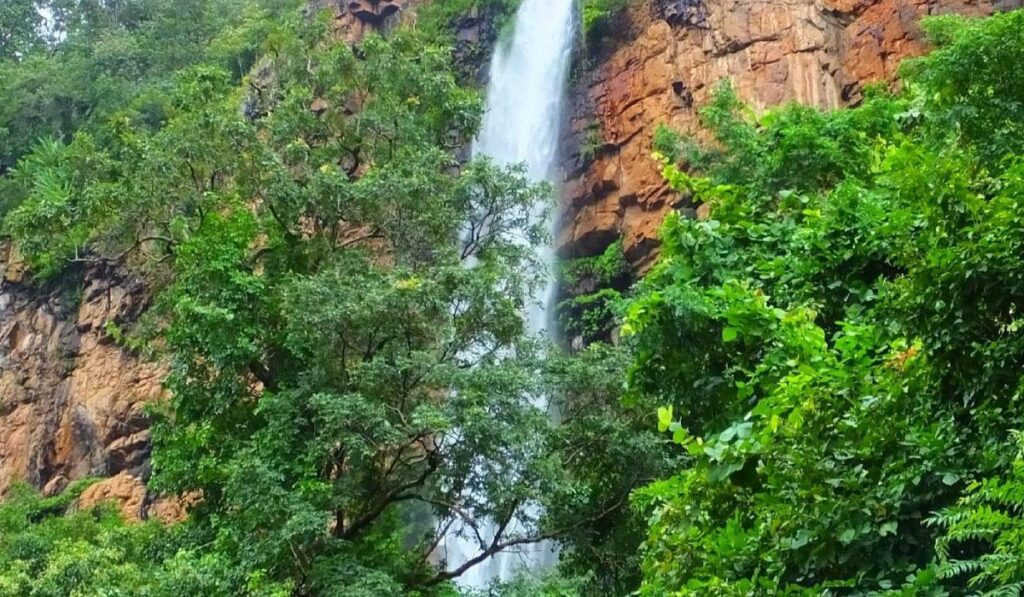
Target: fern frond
x=954, y=568
x=1013, y=590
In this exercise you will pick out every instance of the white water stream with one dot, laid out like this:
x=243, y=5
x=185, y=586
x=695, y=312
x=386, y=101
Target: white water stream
x=523, y=123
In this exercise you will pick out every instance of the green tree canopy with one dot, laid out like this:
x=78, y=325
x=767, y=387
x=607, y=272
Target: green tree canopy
x=339, y=300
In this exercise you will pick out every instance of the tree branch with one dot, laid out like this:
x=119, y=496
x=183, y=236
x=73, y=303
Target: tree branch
x=498, y=546
x=395, y=495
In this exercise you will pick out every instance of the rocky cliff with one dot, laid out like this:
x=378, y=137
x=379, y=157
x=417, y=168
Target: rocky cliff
x=666, y=61
x=71, y=400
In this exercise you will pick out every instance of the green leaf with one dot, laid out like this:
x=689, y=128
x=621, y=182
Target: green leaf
x=664, y=418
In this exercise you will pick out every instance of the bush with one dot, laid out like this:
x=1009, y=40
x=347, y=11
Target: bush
x=837, y=349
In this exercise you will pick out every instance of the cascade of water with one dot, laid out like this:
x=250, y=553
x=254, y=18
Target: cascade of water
x=522, y=124
x=526, y=97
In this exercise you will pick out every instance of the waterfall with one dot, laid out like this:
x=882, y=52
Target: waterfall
x=522, y=124
x=525, y=102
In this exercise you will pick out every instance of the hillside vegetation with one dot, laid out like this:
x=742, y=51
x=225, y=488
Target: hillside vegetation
x=816, y=391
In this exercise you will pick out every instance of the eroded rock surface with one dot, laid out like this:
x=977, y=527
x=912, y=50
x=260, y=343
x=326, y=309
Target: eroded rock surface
x=71, y=400
x=670, y=58
x=136, y=503
x=354, y=19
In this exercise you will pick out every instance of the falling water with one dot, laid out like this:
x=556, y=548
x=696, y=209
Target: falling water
x=525, y=103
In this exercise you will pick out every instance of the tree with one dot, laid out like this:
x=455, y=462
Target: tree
x=20, y=21
x=108, y=56
x=607, y=450
x=350, y=376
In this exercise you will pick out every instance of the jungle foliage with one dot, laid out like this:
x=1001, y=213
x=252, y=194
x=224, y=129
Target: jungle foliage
x=838, y=347
x=816, y=389
x=338, y=298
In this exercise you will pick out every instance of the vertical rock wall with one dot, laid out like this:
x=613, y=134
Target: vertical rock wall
x=71, y=400
x=669, y=58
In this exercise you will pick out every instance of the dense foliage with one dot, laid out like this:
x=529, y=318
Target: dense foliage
x=50, y=548
x=443, y=17
x=96, y=58
x=838, y=347
x=990, y=515
x=594, y=288
x=338, y=298
x=816, y=390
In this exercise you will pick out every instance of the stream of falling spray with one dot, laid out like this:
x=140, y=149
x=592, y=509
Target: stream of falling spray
x=525, y=102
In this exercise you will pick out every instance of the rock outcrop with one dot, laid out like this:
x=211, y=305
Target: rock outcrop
x=668, y=60
x=354, y=19
x=133, y=498
x=71, y=400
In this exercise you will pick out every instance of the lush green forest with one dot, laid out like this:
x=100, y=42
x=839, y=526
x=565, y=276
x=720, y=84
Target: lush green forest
x=817, y=390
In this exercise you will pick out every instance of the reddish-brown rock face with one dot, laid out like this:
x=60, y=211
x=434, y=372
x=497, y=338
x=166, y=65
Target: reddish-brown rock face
x=71, y=400
x=670, y=58
x=134, y=500
x=354, y=19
